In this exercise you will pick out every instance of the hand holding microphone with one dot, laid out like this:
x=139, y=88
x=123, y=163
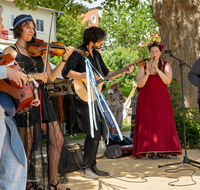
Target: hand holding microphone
x=152, y=63
x=155, y=66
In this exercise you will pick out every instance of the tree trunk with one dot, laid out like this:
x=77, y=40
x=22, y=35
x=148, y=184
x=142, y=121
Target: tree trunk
x=178, y=21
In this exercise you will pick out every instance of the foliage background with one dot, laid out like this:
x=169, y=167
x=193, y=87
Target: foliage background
x=69, y=31
x=192, y=126
x=128, y=33
x=118, y=58
x=130, y=28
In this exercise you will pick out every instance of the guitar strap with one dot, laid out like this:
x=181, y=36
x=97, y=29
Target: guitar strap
x=99, y=66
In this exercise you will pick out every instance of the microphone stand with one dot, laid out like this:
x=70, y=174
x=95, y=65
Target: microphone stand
x=186, y=160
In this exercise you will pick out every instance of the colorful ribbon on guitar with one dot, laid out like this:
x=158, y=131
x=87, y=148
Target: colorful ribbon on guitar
x=92, y=86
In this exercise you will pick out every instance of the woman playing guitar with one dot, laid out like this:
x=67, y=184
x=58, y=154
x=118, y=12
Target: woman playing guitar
x=24, y=31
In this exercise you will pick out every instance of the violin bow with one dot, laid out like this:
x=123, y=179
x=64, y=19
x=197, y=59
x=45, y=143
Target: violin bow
x=50, y=26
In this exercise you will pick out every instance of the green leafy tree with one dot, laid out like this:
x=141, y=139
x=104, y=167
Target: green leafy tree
x=129, y=28
x=69, y=31
x=69, y=5
x=118, y=58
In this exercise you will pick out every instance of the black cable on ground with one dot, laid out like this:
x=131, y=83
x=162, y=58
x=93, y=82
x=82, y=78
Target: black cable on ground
x=175, y=170
x=144, y=180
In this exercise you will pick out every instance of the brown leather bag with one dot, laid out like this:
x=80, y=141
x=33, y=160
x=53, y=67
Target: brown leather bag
x=113, y=151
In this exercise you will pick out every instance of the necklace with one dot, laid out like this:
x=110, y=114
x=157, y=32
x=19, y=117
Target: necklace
x=25, y=51
x=21, y=46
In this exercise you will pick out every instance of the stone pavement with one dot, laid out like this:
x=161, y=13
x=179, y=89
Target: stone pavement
x=139, y=174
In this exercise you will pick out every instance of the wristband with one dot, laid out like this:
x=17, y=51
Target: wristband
x=64, y=60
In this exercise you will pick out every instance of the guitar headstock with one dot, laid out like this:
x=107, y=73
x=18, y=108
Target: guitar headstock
x=140, y=62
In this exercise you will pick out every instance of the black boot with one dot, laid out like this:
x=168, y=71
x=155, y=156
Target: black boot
x=99, y=172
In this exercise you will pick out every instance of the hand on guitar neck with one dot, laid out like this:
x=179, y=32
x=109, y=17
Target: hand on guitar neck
x=130, y=68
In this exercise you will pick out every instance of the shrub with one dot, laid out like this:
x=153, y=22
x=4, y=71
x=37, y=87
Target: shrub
x=192, y=126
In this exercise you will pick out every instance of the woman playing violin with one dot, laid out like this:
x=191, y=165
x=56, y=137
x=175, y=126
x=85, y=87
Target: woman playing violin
x=24, y=31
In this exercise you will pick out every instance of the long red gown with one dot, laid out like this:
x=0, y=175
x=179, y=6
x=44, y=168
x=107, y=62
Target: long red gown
x=155, y=129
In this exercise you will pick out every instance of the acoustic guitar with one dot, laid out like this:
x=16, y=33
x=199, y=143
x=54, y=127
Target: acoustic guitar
x=79, y=86
x=22, y=97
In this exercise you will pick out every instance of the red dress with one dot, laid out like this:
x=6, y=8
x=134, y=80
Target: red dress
x=155, y=129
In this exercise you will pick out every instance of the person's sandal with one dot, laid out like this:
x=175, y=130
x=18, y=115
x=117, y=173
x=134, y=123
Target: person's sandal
x=29, y=188
x=163, y=155
x=152, y=156
x=55, y=186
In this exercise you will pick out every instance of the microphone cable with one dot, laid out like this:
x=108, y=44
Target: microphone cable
x=175, y=170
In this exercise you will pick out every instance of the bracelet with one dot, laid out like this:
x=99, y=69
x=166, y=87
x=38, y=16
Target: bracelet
x=64, y=60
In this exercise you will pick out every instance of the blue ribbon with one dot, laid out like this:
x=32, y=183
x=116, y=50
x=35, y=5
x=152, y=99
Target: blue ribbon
x=104, y=109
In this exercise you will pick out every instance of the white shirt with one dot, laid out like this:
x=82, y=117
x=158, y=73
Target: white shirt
x=3, y=73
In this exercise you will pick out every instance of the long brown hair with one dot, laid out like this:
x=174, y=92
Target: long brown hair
x=160, y=65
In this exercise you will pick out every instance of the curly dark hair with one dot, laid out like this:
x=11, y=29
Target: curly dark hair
x=160, y=65
x=18, y=31
x=93, y=34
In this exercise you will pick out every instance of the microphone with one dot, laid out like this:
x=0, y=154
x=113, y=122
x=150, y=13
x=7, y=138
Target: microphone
x=152, y=63
x=169, y=51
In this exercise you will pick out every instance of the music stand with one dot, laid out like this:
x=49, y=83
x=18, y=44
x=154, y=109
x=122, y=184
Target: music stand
x=186, y=160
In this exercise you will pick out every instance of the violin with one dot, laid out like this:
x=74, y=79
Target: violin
x=39, y=47
x=22, y=96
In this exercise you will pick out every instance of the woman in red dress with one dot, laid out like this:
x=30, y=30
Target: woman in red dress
x=155, y=130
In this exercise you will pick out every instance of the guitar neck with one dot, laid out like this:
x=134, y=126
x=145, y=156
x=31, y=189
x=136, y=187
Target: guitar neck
x=114, y=74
